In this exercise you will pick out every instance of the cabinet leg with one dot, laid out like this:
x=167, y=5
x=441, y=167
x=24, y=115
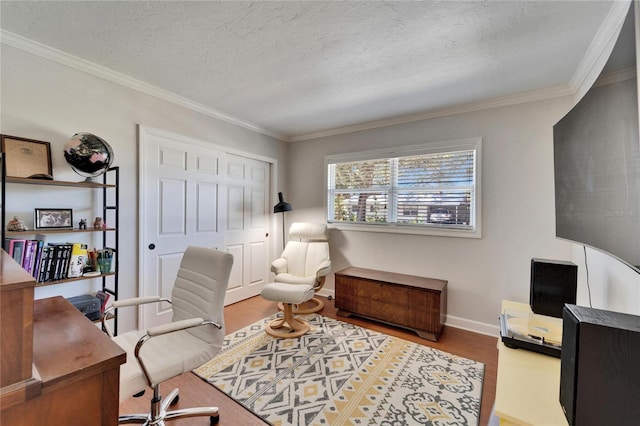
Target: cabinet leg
x=426, y=335
x=344, y=313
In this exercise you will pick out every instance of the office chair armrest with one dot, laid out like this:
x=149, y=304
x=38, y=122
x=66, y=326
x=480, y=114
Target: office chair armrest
x=134, y=301
x=279, y=266
x=177, y=326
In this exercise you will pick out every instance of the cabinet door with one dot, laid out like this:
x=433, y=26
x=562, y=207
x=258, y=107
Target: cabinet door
x=346, y=293
x=424, y=312
x=384, y=301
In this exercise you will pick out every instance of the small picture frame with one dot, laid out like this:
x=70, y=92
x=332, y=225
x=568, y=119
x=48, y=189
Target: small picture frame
x=26, y=158
x=53, y=219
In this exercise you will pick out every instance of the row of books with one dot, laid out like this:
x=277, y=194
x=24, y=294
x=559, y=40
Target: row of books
x=48, y=261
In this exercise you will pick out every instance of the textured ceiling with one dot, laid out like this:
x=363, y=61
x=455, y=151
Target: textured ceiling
x=299, y=68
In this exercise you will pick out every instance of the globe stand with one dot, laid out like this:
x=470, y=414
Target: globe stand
x=88, y=179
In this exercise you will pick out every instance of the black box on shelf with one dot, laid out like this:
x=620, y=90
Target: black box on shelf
x=88, y=305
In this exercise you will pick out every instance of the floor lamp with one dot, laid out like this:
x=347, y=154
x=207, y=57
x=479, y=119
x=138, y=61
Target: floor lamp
x=282, y=207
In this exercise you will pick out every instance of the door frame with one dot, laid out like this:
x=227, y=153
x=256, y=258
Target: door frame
x=147, y=130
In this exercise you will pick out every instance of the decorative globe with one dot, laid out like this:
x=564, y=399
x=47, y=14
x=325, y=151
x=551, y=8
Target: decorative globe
x=88, y=155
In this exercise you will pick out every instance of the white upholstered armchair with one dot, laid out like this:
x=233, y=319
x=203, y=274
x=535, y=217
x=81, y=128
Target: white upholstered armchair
x=300, y=272
x=194, y=336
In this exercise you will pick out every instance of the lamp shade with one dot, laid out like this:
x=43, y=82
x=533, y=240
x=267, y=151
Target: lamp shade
x=282, y=205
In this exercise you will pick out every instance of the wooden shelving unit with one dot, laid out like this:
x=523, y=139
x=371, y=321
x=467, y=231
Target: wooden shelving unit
x=110, y=192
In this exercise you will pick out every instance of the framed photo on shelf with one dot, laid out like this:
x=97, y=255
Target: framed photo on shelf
x=26, y=158
x=53, y=219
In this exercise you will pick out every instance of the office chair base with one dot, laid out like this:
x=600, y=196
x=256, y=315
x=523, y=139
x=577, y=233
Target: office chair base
x=309, y=307
x=292, y=326
x=159, y=413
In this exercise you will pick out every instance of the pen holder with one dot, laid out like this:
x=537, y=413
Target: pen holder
x=104, y=260
x=104, y=265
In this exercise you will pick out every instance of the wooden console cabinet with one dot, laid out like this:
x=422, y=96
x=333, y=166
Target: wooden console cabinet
x=416, y=303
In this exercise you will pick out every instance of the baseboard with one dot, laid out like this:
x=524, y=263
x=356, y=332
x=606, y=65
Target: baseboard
x=452, y=321
x=475, y=326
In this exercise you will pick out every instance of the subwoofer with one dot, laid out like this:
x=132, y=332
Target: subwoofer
x=553, y=283
x=600, y=367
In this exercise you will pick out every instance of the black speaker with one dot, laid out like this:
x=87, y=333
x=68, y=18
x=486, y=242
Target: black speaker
x=599, y=367
x=553, y=283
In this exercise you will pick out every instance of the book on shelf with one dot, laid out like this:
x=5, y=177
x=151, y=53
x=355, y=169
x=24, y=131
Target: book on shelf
x=60, y=261
x=15, y=248
x=104, y=298
x=35, y=270
x=45, y=264
x=78, y=260
x=92, y=261
x=29, y=251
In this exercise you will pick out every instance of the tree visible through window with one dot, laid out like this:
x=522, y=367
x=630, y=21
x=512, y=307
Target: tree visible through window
x=426, y=188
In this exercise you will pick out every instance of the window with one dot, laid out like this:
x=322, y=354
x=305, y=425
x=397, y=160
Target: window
x=430, y=189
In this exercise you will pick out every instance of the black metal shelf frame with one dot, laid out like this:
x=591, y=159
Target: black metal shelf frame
x=109, y=209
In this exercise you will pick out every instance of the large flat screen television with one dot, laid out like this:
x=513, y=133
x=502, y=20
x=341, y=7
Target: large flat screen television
x=597, y=164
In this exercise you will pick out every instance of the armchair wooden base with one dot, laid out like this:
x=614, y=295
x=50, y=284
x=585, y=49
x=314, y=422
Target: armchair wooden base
x=292, y=326
x=309, y=307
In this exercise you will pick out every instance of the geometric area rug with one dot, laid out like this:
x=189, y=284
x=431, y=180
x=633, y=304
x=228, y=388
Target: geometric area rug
x=342, y=374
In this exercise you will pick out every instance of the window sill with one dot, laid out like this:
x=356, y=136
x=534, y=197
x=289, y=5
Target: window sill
x=410, y=230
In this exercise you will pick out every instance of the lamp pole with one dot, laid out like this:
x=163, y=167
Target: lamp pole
x=282, y=207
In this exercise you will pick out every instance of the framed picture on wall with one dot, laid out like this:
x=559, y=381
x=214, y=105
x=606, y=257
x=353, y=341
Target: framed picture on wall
x=26, y=158
x=53, y=219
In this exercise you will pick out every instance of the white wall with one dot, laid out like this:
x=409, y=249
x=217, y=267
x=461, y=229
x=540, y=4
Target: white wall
x=518, y=208
x=43, y=100
x=612, y=285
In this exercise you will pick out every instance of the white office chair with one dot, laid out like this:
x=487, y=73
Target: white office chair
x=194, y=336
x=300, y=273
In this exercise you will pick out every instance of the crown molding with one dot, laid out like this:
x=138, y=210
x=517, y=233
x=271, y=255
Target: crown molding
x=520, y=98
x=55, y=55
x=600, y=49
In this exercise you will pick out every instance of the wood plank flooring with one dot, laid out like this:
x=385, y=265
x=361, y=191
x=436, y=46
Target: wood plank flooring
x=196, y=392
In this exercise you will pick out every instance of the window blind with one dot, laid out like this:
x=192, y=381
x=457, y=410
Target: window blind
x=431, y=189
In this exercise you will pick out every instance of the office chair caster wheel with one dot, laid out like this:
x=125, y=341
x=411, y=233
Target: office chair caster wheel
x=213, y=420
x=175, y=400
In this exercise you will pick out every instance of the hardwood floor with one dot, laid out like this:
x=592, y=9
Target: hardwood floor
x=196, y=392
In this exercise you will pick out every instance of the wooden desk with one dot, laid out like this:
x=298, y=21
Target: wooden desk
x=528, y=385
x=78, y=370
x=16, y=327
x=416, y=303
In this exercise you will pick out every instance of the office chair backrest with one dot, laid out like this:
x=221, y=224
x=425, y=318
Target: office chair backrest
x=200, y=289
x=307, y=248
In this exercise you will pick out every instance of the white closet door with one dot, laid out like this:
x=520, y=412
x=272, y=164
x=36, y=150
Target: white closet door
x=190, y=196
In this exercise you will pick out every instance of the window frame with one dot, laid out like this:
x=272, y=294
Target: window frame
x=475, y=231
